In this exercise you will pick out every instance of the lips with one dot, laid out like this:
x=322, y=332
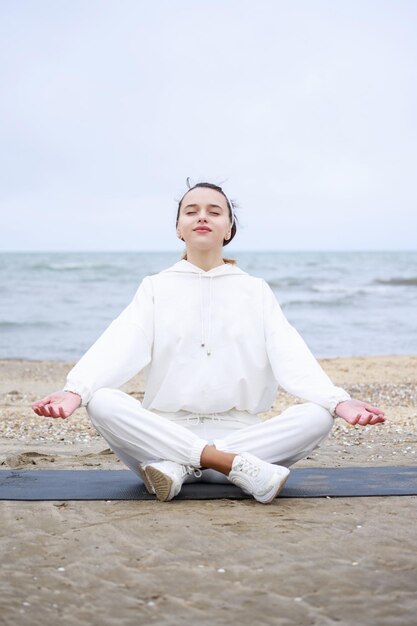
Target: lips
x=208, y=229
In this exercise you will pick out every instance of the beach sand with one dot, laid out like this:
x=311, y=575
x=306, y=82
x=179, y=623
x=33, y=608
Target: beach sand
x=307, y=561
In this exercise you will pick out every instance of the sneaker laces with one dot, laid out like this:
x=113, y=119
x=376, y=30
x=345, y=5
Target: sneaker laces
x=189, y=469
x=247, y=466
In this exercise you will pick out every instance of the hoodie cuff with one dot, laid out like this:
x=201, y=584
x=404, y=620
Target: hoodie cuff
x=336, y=400
x=82, y=391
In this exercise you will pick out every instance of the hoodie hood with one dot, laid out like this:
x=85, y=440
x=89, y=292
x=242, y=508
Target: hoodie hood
x=226, y=269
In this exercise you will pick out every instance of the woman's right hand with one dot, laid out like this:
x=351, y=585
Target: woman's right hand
x=58, y=404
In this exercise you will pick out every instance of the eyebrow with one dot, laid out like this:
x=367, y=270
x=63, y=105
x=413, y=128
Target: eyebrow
x=212, y=205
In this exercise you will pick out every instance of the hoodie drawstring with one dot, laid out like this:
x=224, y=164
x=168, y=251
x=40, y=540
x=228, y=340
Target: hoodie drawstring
x=203, y=338
x=199, y=418
x=186, y=267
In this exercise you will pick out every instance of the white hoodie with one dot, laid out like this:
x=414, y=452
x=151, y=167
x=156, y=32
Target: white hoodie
x=207, y=342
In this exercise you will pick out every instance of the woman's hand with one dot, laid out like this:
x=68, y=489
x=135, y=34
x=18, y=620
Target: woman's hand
x=58, y=404
x=358, y=412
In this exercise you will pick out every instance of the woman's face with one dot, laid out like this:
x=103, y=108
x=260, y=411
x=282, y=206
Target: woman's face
x=204, y=208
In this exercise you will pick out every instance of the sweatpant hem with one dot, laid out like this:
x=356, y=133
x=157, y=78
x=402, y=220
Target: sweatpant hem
x=196, y=452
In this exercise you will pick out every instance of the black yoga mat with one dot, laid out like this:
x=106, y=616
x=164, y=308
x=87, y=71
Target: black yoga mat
x=125, y=485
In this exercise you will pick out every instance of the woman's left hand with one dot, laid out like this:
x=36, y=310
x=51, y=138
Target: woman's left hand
x=358, y=412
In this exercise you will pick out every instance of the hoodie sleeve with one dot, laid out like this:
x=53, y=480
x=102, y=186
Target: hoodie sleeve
x=295, y=367
x=123, y=349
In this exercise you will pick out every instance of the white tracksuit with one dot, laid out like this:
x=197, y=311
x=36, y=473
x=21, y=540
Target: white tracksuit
x=214, y=347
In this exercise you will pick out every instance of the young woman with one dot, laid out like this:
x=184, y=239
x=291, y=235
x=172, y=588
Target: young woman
x=214, y=345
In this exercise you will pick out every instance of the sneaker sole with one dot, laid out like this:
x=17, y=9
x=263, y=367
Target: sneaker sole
x=277, y=491
x=148, y=485
x=161, y=483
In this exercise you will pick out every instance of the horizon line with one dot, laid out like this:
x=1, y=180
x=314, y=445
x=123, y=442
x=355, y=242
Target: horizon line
x=225, y=253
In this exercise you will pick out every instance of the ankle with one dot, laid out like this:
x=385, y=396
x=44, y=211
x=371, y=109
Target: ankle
x=211, y=458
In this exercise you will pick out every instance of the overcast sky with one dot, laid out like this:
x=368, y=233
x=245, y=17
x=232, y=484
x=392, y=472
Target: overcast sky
x=304, y=109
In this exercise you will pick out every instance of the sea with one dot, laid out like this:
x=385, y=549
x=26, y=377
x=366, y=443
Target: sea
x=54, y=305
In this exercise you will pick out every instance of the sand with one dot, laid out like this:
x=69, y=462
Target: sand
x=314, y=561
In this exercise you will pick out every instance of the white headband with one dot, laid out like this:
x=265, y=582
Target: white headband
x=231, y=209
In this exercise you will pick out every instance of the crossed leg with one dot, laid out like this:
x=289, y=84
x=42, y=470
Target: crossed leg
x=137, y=435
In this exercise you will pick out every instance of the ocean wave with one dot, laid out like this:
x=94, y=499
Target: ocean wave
x=350, y=290
x=342, y=289
x=346, y=291
x=401, y=282
x=7, y=324
x=287, y=282
x=73, y=266
x=305, y=304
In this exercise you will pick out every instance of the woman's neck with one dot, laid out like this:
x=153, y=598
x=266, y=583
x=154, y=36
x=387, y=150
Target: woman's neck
x=204, y=261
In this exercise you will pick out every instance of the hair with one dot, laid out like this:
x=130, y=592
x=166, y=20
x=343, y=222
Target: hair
x=230, y=205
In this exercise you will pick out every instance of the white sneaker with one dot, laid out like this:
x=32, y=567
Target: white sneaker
x=142, y=471
x=165, y=478
x=262, y=480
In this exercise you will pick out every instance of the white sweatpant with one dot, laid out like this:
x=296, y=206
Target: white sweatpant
x=136, y=434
